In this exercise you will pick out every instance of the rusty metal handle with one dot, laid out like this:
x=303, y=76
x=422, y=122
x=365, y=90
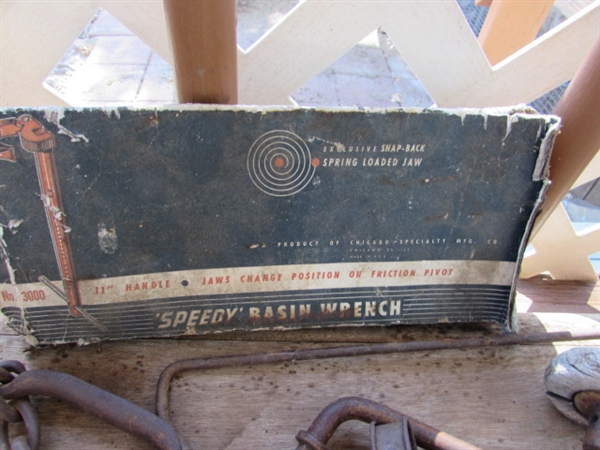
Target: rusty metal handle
x=591, y=439
x=587, y=403
x=98, y=402
x=356, y=408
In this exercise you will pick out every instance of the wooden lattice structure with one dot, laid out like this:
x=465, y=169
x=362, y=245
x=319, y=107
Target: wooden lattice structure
x=433, y=37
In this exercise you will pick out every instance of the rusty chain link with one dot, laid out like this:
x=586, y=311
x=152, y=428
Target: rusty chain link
x=15, y=410
x=16, y=389
x=15, y=392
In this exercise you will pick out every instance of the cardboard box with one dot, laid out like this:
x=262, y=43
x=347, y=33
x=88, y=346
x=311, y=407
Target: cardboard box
x=128, y=223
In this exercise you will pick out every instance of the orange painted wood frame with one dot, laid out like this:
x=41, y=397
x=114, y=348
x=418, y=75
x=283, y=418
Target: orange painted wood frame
x=510, y=25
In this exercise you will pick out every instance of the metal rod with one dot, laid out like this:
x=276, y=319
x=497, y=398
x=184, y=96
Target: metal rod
x=164, y=382
x=355, y=408
x=98, y=402
x=31, y=420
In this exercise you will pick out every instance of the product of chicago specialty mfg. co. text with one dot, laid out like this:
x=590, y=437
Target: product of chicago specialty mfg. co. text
x=127, y=223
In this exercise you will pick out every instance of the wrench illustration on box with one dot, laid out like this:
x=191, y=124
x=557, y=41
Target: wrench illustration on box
x=39, y=141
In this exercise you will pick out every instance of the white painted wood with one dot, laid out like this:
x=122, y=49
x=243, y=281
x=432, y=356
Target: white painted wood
x=433, y=37
x=307, y=40
x=44, y=31
x=146, y=20
x=34, y=36
x=571, y=7
x=537, y=68
x=562, y=252
x=430, y=36
x=436, y=41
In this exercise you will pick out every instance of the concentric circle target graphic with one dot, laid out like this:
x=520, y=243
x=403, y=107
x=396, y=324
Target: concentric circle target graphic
x=279, y=163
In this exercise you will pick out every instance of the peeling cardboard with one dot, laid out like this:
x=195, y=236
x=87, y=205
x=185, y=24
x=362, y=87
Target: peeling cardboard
x=194, y=219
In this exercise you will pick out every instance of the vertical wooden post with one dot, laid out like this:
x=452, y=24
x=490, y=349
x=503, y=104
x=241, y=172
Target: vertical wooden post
x=203, y=38
x=579, y=138
x=510, y=25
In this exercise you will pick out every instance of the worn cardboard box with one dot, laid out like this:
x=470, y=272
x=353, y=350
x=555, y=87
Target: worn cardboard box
x=130, y=223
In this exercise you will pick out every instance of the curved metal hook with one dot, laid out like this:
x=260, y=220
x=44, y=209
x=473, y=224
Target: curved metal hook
x=98, y=402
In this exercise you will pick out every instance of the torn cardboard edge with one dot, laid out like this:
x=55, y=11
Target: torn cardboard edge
x=541, y=173
x=56, y=117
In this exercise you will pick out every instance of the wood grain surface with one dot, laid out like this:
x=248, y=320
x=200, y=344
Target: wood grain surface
x=490, y=397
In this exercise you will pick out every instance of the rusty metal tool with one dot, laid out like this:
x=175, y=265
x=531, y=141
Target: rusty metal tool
x=87, y=397
x=392, y=436
x=572, y=383
x=18, y=410
x=17, y=384
x=364, y=410
x=164, y=382
x=404, y=432
x=36, y=139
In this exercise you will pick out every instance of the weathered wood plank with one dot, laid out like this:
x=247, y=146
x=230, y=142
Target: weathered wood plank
x=545, y=295
x=493, y=398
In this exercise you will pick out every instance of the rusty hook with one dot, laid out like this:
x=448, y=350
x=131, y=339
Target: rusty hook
x=19, y=409
x=356, y=408
x=98, y=402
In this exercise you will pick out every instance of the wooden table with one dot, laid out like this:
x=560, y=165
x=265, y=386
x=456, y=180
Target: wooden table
x=491, y=397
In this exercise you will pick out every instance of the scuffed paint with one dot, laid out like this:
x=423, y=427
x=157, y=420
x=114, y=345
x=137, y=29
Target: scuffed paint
x=14, y=224
x=55, y=116
x=338, y=145
x=107, y=239
x=541, y=166
x=24, y=328
x=112, y=112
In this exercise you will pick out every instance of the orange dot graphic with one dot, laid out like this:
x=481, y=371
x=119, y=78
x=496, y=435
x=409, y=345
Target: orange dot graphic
x=279, y=162
x=316, y=162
